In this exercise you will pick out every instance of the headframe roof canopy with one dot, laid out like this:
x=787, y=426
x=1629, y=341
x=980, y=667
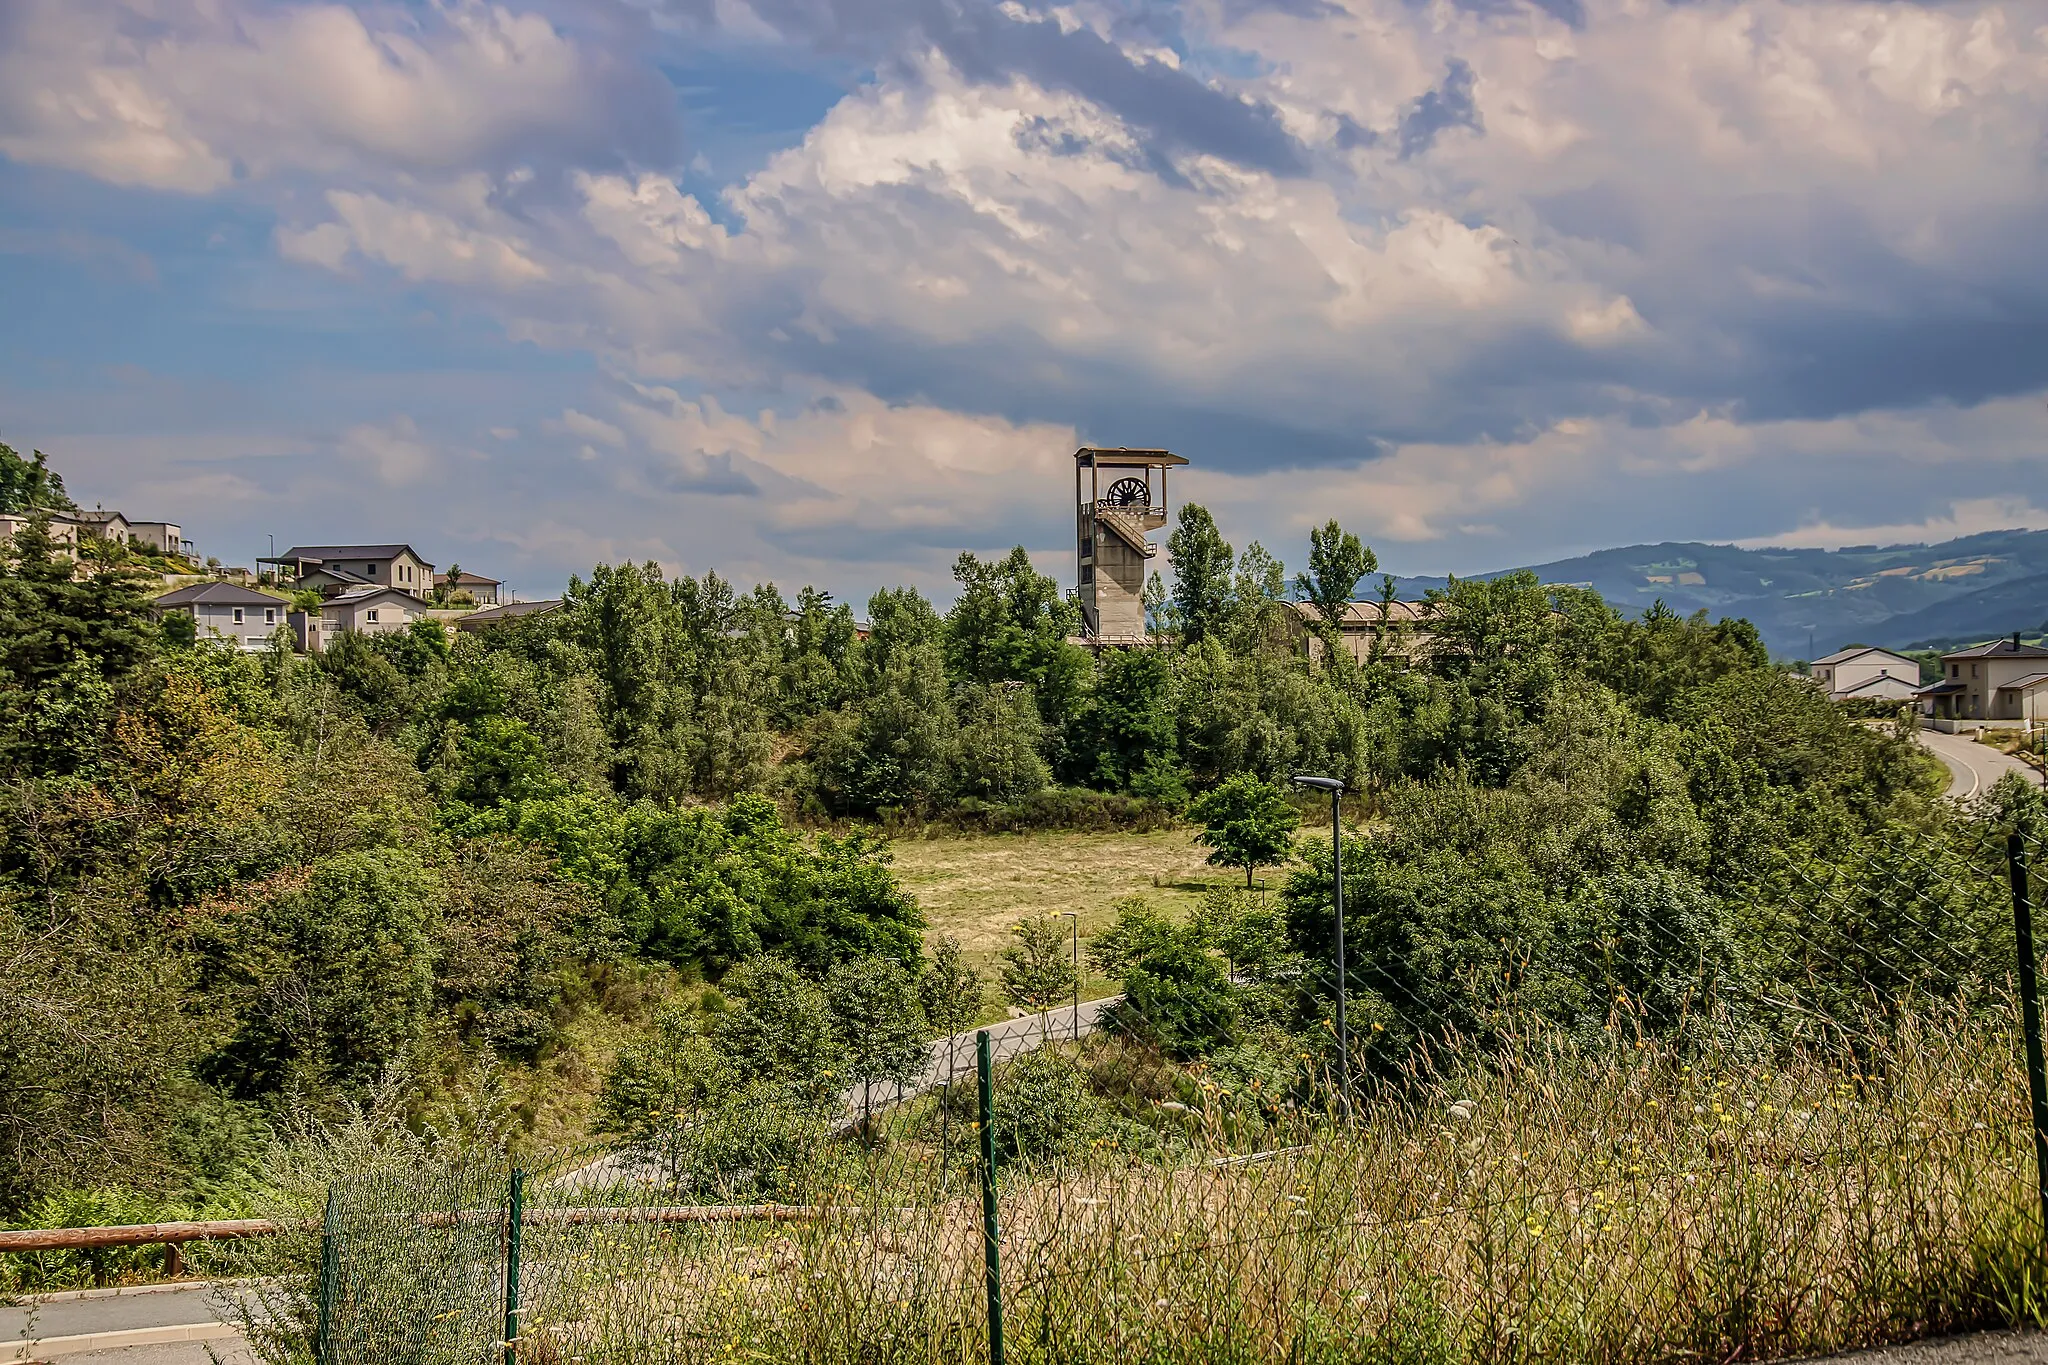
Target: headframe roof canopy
x=1123, y=455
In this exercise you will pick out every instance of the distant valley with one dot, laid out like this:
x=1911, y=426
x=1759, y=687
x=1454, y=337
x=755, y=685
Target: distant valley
x=1810, y=602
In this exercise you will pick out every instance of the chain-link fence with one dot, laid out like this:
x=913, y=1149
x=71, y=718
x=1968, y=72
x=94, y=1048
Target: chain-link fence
x=1787, y=1117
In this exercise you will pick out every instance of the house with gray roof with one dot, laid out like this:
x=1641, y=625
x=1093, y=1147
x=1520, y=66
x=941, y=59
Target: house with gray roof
x=345, y=566
x=2000, y=685
x=1863, y=672
x=225, y=612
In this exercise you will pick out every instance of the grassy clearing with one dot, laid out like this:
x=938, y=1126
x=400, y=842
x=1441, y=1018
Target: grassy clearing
x=976, y=887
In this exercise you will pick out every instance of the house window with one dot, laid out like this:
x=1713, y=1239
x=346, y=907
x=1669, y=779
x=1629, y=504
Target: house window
x=1087, y=573
x=371, y=615
x=238, y=616
x=369, y=570
x=270, y=619
x=1955, y=670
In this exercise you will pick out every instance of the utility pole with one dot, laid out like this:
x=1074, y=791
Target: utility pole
x=1075, y=916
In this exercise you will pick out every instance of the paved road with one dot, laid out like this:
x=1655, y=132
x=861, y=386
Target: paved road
x=953, y=1058
x=948, y=1059
x=65, y=1318
x=1972, y=767
x=1979, y=1348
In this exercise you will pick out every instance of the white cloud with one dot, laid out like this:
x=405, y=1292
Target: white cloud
x=187, y=94
x=1646, y=280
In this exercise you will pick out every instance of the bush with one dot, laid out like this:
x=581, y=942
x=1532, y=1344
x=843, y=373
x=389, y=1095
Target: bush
x=1068, y=809
x=1177, y=999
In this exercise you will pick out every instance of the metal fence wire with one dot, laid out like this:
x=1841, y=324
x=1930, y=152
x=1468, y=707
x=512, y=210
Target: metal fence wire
x=1707, y=1143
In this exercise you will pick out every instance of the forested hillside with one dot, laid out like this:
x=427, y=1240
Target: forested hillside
x=1807, y=603
x=237, y=889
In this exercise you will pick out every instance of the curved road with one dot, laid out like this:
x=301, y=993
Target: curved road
x=1972, y=767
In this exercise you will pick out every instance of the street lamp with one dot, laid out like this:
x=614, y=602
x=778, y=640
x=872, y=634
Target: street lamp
x=1075, y=916
x=1335, y=787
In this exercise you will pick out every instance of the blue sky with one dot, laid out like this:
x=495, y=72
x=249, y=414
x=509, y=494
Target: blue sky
x=828, y=290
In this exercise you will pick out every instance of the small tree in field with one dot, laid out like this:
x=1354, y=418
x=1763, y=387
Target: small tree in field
x=950, y=990
x=881, y=1024
x=1038, y=973
x=1248, y=823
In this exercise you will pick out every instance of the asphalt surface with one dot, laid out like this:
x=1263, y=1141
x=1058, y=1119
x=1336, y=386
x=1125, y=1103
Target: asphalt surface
x=1972, y=767
x=1979, y=1348
x=126, y=1310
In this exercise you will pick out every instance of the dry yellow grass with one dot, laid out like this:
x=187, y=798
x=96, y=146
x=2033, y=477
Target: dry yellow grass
x=976, y=887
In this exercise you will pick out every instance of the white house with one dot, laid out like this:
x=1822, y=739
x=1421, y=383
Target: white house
x=1861, y=672
x=222, y=611
x=362, y=611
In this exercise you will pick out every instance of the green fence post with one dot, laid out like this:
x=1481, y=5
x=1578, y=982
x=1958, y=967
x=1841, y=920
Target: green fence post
x=515, y=1218
x=2030, y=1013
x=990, y=1231
x=330, y=1267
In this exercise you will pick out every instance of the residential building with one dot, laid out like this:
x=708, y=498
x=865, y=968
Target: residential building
x=1863, y=672
x=162, y=537
x=370, y=611
x=63, y=528
x=105, y=525
x=499, y=615
x=1401, y=629
x=2000, y=685
x=347, y=566
x=222, y=611
x=482, y=591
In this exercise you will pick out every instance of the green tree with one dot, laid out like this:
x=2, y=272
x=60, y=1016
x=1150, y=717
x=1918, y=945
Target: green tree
x=949, y=991
x=1128, y=726
x=63, y=641
x=998, y=755
x=1038, y=969
x=1247, y=822
x=30, y=484
x=784, y=1032
x=330, y=972
x=1337, y=559
x=1011, y=624
x=1176, y=999
x=895, y=748
x=875, y=1005
x=1202, y=562
x=1137, y=930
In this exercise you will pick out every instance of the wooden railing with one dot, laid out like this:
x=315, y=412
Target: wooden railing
x=171, y=1236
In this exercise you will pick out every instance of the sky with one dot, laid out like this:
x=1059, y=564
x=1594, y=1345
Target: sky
x=827, y=291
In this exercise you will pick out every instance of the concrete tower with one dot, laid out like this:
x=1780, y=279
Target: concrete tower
x=1118, y=497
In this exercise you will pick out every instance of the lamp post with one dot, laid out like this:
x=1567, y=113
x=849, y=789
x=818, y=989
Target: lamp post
x=1075, y=916
x=1335, y=787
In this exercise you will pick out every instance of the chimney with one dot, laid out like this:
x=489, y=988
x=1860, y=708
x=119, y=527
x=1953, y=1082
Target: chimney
x=2015, y=642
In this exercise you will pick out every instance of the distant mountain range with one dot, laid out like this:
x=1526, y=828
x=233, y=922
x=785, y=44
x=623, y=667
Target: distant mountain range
x=1808, y=603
